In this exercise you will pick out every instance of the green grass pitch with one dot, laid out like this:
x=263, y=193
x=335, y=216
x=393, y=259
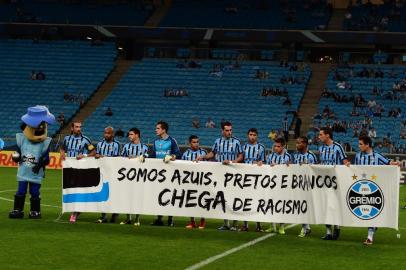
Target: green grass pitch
x=51, y=244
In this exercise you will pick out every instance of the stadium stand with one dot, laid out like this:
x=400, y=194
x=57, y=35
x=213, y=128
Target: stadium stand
x=215, y=89
x=33, y=11
x=388, y=16
x=238, y=14
x=72, y=71
x=365, y=97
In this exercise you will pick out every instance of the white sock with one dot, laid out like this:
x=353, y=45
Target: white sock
x=328, y=230
x=371, y=232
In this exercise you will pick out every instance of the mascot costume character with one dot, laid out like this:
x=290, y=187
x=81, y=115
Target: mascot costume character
x=32, y=156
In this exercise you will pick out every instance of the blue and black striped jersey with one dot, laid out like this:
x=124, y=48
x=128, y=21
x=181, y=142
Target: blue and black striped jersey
x=75, y=145
x=226, y=149
x=108, y=149
x=253, y=153
x=333, y=154
x=191, y=155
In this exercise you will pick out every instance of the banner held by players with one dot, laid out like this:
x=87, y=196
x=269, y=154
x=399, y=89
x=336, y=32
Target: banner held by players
x=359, y=196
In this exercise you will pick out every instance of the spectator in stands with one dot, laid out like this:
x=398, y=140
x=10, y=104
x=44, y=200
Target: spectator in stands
x=402, y=133
x=119, y=133
x=182, y=64
x=287, y=102
x=285, y=128
x=272, y=135
x=61, y=119
x=210, y=123
x=283, y=63
x=318, y=116
x=33, y=75
x=41, y=76
x=354, y=111
x=356, y=133
x=194, y=64
x=108, y=112
x=325, y=93
x=298, y=125
x=394, y=112
x=376, y=91
x=371, y=104
x=364, y=132
x=372, y=133
x=326, y=111
x=216, y=73
x=261, y=74
x=195, y=123
x=293, y=67
x=1, y=144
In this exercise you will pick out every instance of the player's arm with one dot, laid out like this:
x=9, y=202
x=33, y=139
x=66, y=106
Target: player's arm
x=289, y=161
x=240, y=156
x=395, y=163
x=153, y=151
x=63, y=149
x=343, y=156
x=261, y=159
x=382, y=160
x=175, y=151
x=98, y=155
x=89, y=147
x=116, y=150
x=124, y=151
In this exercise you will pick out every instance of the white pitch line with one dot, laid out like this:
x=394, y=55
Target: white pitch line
x=42, y=204
x=233, y=250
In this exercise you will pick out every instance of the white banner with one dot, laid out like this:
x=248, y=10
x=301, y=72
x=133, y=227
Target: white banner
x=359, y=196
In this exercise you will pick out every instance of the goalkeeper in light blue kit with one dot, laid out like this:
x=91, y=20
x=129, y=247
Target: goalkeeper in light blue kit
x=167, y=149
x=367, y=156
x=304, y=156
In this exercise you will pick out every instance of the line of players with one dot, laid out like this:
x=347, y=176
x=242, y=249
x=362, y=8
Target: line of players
x=227, y=149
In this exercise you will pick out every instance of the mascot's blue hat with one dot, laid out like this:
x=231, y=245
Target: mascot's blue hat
x=37, y=114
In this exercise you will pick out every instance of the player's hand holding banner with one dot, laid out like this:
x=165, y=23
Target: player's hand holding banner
x=361, y=196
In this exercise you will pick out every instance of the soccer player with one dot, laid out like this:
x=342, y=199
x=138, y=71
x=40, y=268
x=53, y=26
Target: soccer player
x=108, y=147
x=134, y=149
x=331, y=153
x=191, y=154
x=164, y=147
x=76, y=145
x=278, y=156
x=367, y=156
x=226, y=150
x=304, y=156
x=254, y=153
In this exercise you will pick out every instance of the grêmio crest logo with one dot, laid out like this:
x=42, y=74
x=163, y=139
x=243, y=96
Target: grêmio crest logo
x=365, y=198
